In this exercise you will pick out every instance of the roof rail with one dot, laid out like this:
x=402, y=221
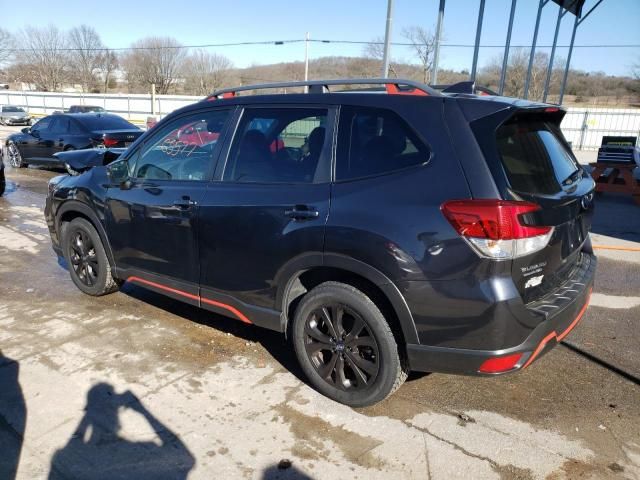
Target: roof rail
x=394, y=86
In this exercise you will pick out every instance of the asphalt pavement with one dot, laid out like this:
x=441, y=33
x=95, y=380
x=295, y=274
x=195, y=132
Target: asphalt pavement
x=135, y=385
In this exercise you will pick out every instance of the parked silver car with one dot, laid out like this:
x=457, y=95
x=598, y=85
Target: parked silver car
x=10, y=115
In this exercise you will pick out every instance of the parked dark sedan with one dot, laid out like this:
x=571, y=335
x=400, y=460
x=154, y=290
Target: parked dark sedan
x=85, y=109
x=58, y=133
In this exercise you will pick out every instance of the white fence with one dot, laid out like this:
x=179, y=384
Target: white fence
x=583, y=127
x=133, y=107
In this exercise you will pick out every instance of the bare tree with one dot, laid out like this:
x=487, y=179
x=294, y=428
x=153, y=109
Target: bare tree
x=43, y=58
x=517, y=73
x=375, y=51
x=85, y=57
x=155, y=60
x=205, y=72
x=107, y=63
x=423, y=44
x=6, y=44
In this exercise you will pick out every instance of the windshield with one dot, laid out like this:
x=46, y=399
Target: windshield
x=13, y=109
x=534, y=157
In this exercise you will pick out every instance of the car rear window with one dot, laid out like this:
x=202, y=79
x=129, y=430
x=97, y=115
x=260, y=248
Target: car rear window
x=102, y=122
x=534, y=156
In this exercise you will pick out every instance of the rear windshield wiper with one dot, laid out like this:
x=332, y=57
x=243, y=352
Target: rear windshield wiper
x=571, y=179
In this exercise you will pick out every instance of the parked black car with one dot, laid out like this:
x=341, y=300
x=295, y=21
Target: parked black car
x=380, y=233
x=57, y=133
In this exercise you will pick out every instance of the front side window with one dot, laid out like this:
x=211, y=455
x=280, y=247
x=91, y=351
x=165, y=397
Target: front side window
x=42, y=125
x=61, y=125
x=375, y=141
x=182, y=149
x=279, y=145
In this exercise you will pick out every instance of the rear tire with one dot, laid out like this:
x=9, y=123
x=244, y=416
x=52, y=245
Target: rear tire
x=88, y=263
x=345, y=346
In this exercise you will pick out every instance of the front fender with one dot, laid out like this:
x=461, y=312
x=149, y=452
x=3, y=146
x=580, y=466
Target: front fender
x=74, y=206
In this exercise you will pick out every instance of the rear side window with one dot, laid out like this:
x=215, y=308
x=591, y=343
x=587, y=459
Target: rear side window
x=375, y=141
x=280, y=145
x=534, y=157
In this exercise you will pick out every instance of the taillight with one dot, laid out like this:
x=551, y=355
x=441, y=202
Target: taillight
x=110, y=142
x=496, y=228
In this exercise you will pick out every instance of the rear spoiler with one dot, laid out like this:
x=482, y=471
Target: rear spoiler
x=468, y=88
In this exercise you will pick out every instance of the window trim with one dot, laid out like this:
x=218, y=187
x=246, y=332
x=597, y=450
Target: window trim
x=134, y=154
x=333, y=112
x=390, y=172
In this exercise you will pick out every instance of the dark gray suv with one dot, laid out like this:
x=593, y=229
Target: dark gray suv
x=393, y=229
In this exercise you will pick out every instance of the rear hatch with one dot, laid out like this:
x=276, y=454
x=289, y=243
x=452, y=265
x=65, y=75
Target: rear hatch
x=531, y=161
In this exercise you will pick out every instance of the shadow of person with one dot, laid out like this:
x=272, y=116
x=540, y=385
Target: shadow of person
x=13, y=417
x=97, y=450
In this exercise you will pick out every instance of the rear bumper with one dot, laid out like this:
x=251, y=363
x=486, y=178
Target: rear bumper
x=562, y=310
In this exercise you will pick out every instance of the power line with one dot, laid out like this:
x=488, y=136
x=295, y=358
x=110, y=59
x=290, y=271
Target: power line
x=163, y=47
x=325, y=41
x=460, y=45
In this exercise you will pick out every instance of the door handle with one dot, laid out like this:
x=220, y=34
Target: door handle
x=302, y=212
x=185, y=203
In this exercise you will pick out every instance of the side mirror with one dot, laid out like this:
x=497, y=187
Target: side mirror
x=26, y=130
x=118, y=173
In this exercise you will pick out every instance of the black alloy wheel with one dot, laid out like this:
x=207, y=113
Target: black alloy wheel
x=89, y=266
x=345, y=345
x=84, y=260
x=341, y=347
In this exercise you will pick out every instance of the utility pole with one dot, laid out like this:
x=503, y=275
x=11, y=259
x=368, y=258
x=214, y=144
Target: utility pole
x=436, y=53
x=387, y=40
x=153, y=99
x=306, y=61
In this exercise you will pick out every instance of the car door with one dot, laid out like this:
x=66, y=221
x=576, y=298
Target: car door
x=29, y=142
x=59, y=131
x=152, y=219
x=47, y=139
x=267, y=207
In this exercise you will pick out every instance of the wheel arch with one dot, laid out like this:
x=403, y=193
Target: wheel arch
x=305, y=273
x=72, y=209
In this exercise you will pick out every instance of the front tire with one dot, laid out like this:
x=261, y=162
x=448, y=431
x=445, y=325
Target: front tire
x=14, y=156
x=88, y=263
x=345, y=346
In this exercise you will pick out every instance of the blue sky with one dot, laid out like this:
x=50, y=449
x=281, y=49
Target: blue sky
x=207, y=21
